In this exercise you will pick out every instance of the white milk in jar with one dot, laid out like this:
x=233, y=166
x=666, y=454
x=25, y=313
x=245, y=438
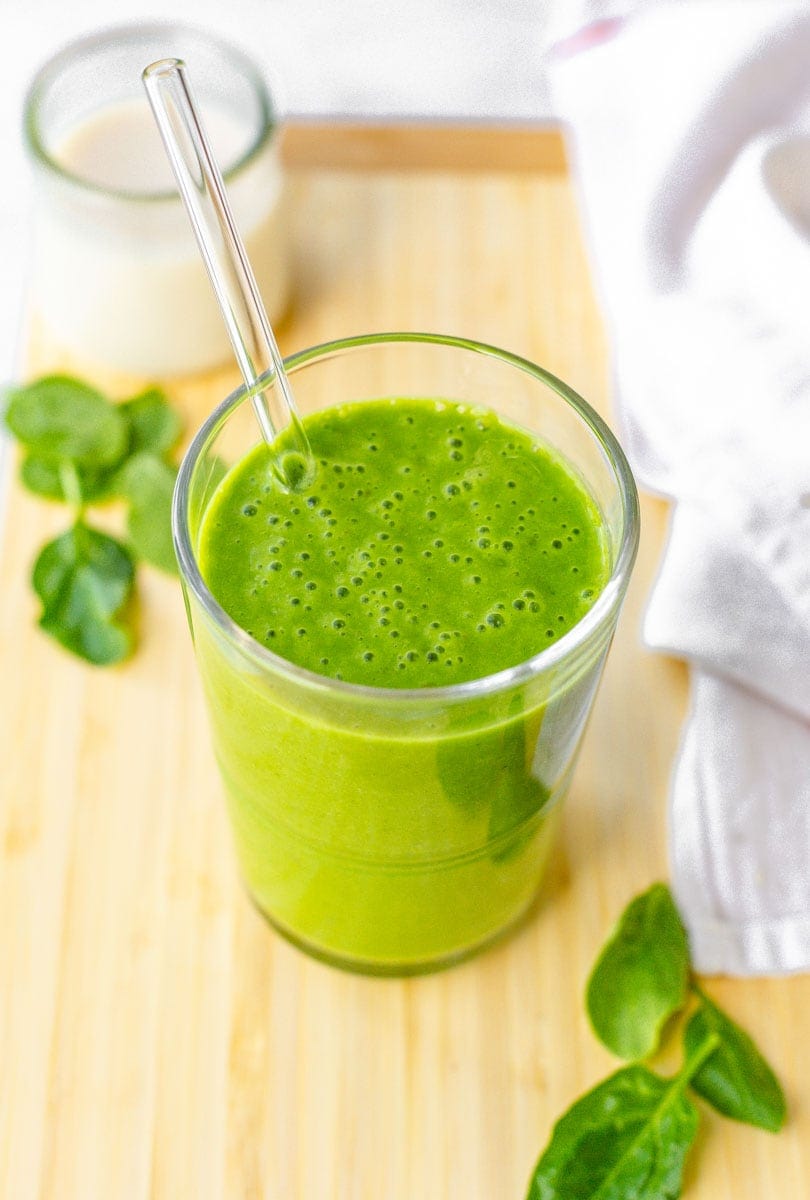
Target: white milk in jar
x=118, y=279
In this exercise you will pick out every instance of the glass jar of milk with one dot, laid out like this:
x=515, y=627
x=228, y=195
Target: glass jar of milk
x=118, y=280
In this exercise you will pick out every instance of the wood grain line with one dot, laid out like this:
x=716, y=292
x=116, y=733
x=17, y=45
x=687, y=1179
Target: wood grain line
x=409, y=146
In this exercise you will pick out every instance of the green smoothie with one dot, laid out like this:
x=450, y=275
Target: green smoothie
x=437, y=545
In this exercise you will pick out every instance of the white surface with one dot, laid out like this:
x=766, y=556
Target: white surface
x=697, y=196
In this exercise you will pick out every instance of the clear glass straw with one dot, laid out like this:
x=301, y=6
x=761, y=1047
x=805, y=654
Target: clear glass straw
x=201, y=186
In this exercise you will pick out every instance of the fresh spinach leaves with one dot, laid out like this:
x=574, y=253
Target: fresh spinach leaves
x=59, y=418
x=641, y=977
x=736, y=1080
x=630, y=1135
x=147, y=483
x=82, y=449
x=153, y=424
x=84, y=579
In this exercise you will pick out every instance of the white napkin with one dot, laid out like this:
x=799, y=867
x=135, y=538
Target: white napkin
x=691, y=141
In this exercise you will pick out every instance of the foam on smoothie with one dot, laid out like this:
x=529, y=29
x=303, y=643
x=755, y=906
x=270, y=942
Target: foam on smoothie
x=438, y=544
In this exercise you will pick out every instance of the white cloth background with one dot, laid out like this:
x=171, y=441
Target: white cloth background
x=691, y=133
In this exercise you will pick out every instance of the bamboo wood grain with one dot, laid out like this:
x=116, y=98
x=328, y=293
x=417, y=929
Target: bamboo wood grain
x=157, y=1040
x=451, y=146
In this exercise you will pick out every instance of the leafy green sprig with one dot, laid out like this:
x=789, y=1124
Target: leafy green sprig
x=629, y=1136
x=81, y=449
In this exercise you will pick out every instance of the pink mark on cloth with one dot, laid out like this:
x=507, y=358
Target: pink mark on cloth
x=586, y=38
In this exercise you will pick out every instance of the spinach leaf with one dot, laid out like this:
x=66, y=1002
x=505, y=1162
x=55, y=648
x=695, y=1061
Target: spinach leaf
x=84, y=578
x=148, y=483
x=736, y=1079
x=153, y=424
x=81, y=449
x=641, y=977
x=43, y=476
x=59, y=418
x=628, y=1137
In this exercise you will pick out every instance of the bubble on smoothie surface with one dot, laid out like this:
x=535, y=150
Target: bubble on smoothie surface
x=435, y=545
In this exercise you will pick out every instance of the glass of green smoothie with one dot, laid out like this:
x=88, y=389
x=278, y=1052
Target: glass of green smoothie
x=399, y=660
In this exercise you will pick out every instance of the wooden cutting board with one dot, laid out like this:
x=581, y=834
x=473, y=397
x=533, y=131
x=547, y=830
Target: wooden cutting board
x=156, y=1038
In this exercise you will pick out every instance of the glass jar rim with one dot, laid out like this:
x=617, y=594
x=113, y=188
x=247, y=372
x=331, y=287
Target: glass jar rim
x=600, y=614
x=114, y=35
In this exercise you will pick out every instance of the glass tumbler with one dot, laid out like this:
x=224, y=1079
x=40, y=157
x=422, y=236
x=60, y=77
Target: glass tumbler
x=118, y=280
x=390, y=830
